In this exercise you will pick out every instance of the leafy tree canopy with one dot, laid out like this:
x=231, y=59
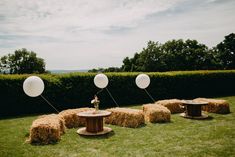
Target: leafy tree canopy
x=182, y=55
x=226, y=52
x=22, y=62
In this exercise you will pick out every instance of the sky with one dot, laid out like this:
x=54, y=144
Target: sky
x=86, y=34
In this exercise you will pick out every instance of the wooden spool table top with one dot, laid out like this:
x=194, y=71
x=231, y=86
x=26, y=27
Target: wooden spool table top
x=193, y=109
x=94, y=123
x=91, y=114
x=191, y=102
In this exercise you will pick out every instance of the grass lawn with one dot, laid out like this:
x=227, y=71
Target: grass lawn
x=180, y=137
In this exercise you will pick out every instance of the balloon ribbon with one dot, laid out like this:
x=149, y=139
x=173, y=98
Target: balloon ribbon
x=49, y=103
x=149, y=95
x=112, y=97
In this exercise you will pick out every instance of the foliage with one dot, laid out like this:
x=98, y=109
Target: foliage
x=226, y=52
x=181, y=137
x=22, y=62
x=177, y=55
x=96, y=70
x=188, y=55
x=172, y=56
x=102, y=70
x=77, y=89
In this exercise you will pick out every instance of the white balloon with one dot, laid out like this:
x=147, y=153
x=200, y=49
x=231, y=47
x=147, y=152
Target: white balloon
x=101, y=80
x=33, y=86
x=142, y=81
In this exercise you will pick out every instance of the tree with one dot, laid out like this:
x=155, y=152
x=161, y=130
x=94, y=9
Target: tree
x=187, y=55
x=112, y=69
x=171, y=56
x=22, y=62
x=176, y=55
x=151, y=58
x=126, y=64
x=131, y=64
x=225, y=52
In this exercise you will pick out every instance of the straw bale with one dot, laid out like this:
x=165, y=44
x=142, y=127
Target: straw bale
x=215, y=105
x=174, y=105
x=156, y=113
x=125, y=117
x=72, y=120
x=60, y=119
x=46, y=129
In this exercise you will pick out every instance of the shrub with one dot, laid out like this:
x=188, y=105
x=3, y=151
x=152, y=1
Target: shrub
x=76, y=90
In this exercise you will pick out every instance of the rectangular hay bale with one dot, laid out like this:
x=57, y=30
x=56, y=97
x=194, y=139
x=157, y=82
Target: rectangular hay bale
x=71, y=118
x=46, y=129
x=155, y=113
x=215, y=105
x=174, y=105
x=125, y=117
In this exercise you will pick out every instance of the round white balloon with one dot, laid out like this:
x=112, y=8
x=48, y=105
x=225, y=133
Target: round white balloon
x=101, y=80
x=33, y=86
x=142, y=81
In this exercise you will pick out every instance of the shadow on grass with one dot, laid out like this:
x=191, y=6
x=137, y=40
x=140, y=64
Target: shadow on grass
x=209, y=118
x=141, y=126
x=27, y=140
x=41, y=144
x=26, y=135
x=159, y=123
x=105, y=136
x=198, y=119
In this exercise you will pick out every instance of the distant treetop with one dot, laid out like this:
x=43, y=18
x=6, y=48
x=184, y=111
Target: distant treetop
x=22, y=61
x=181, y=55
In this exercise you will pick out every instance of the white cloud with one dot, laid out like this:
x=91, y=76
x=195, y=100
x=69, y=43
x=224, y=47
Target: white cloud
x=63, y=16
x=78, y=34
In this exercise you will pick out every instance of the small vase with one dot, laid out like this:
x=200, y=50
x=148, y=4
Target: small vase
x=96, y=108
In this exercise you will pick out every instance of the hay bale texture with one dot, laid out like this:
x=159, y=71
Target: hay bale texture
x=71, y=118
x=46, y=129
x=125, y=117
x=174, y=105
x=215, y=105
x=60, y=119
x=155, y=113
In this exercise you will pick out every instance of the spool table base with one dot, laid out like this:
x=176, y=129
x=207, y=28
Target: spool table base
x=83, y=131
x=203, y=116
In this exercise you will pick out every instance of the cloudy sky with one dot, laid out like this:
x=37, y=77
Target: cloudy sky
x=85, y=34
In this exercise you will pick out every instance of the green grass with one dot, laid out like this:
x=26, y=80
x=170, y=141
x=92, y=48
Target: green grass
x=181, y=137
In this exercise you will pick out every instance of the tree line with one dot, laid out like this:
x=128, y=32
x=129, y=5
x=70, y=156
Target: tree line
x=173, y=55
x=181, y=55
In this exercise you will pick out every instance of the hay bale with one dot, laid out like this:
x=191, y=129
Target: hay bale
x=174, y=105
x=156, y=113
x=60, y=119
x=125, y=117
x=215, y=105
x=46, y=129
x=71, y=118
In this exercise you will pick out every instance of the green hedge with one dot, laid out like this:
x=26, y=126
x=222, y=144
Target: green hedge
x=77, y=89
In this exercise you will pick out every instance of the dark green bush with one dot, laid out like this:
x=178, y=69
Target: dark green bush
x=77, y=89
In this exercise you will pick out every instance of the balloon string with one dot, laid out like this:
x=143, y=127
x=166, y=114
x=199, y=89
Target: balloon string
x=112, y=97
x=99, y=91
x=49, y=103
x=149, y=95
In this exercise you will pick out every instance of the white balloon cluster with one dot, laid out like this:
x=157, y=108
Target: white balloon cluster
x=142, y=81
x=33, y=86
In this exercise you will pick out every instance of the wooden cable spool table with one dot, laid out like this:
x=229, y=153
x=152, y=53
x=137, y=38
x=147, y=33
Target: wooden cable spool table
x=194, y=110
x=94, y=123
